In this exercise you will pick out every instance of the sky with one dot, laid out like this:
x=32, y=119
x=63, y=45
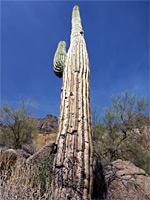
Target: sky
x=117, y=39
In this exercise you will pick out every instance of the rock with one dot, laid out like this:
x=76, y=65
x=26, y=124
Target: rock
x=120, y=180
x=126, y=181
x=8, y=158
x=42, y=154
x=30, y=148
x=48, y=124
x=22, y=154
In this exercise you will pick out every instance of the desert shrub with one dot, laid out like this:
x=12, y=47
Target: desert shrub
x=18, y=126
x=122, y=132
x=5, y=137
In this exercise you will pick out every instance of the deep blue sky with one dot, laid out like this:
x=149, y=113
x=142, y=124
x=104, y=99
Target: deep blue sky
x=117, y=38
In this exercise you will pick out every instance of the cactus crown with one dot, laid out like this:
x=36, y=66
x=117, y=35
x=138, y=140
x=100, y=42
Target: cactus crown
x=76, y=23
x=76, y=32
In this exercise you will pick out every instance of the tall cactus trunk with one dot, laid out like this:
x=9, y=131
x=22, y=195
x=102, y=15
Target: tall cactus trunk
x=72, y=172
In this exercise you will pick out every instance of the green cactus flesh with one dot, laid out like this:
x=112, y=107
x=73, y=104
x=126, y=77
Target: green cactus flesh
x=59, y=59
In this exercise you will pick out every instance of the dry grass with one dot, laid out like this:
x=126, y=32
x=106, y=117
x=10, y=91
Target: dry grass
x=27, y=182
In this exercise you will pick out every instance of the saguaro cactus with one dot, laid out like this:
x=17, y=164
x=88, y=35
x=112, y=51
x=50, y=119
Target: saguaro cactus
x=72, y=169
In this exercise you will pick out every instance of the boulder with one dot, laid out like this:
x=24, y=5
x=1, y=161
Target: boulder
x=121, y=180
x=30, y=148
x=126, y=181
x=8, y=158
x=42, y=154
x=22, y=154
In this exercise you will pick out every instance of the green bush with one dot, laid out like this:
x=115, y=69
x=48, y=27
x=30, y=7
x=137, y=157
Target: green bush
x=19, y=126
x=119, y=133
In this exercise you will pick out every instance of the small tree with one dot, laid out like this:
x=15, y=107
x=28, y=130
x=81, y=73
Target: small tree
x=119, y=135
x=17, y=125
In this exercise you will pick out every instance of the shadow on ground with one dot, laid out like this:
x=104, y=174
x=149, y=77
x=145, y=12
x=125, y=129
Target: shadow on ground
x=99, y=184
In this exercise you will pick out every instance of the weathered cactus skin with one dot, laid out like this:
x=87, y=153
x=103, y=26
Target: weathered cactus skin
x=59, y=59
x=73, y=163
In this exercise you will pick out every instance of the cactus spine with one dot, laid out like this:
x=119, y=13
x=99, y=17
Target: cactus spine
x=72, y=169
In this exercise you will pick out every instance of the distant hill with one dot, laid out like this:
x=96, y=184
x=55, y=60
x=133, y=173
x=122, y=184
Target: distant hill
x=48, y=124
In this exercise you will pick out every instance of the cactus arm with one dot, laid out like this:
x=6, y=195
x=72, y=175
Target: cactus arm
x=59, y=59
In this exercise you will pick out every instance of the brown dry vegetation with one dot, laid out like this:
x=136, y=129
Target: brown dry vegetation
x=27, y=182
